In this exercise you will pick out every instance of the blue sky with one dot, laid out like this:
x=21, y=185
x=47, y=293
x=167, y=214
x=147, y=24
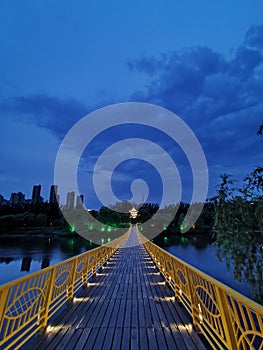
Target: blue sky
x=61, y=60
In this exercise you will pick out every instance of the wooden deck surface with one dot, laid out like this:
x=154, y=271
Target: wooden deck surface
x=126, y=306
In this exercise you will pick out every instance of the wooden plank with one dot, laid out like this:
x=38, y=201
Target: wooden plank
x=121, y=313
x=92, y=338
x=171, y=344
x=152, y=338
x=160, y=338
x=134, y=313
x=82, y=320
x=90, y=318
x=154, y=313
x=179, y=338
x=162, y=316
x=48, y=338
x=108, y=341
x=141, y=313
x=193, y=335
x=117, y=339
x=148, y=315
x=65, y=339
x=100, y=339
x=134, y=338
x=143, y=341
x=127, y=319
x=73, y=341
x=110, y=317
x=83, y=338
x=126, y=337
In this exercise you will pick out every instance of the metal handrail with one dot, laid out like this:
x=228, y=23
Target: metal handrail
x=226, y=318
x=28, y=303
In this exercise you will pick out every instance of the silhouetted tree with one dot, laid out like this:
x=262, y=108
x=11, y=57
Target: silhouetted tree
x=260, y=130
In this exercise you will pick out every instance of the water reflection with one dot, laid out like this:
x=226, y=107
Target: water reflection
x=45, y=263
x=26, y=262
x=200, y=242
x=20, y=255
x=198, y=251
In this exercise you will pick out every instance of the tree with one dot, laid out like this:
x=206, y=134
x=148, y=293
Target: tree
x=239, y=229
x=260, y=130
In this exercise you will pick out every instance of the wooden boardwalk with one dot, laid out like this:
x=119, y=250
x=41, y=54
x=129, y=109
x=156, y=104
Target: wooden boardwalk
x=126, y=306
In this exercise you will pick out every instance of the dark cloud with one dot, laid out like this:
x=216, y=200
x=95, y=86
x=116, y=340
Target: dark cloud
x=146, y=65
x=201, y=84
x=53, y=113
x=198, y=84
x=254, y=37
x=220, y=97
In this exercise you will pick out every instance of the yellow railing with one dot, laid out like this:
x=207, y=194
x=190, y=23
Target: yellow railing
x=26, y=304
x=225, y=317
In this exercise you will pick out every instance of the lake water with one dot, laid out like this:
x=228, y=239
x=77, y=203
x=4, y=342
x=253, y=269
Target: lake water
x=21, y=255
x=203, y=257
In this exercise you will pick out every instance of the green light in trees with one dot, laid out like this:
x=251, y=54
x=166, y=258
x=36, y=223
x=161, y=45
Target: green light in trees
x=102, y=229
x=109, y=229
x=102, y=241
x=184, y=241
x=72, y=228
x=71, y=242
x=165, y=239
x=108, y=239
x=90, y=226
x=164, y=228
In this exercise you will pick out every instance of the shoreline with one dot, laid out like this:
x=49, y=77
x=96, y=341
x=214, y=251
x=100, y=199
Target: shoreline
x=41, y=232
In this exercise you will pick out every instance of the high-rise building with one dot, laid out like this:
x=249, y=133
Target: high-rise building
x=17, y=198
x=1, y=199
x=53, y=196
x=70, y=200
x=36, y=198
x=80, y=201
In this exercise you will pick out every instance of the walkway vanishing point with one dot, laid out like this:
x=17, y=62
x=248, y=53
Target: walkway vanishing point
x=126, y=306
x=127, y=294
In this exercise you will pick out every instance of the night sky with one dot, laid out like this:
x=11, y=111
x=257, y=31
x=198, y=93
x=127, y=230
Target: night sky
x=60, y=60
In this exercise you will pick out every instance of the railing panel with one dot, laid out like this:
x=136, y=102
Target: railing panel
x=23, y=306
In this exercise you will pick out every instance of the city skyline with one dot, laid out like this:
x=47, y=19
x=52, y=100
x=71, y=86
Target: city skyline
x=54, y=197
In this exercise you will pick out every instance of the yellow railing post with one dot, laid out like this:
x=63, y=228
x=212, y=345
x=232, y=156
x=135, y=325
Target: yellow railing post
x=50, y=285
x=85, y=269
x=3, y=304
x=72, y=280
x=226, y=318
x=94, y=268
x=194, y=313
